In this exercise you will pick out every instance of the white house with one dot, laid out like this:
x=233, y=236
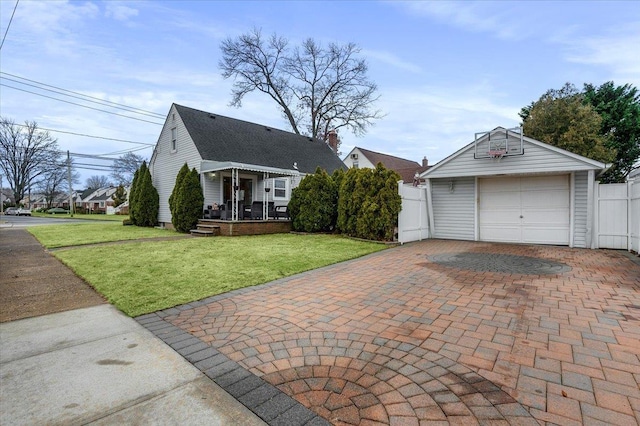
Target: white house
x=239, y=162
x=506, y=187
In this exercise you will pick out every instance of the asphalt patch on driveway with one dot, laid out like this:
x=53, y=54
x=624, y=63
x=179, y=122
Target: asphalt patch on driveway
x=502, y=263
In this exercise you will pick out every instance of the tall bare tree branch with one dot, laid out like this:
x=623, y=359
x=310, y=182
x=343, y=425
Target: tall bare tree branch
x=26, y=154
x=316, y=88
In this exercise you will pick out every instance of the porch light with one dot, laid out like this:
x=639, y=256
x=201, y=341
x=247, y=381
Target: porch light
x=267, y=189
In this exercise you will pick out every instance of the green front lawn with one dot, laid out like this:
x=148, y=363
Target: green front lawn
x=75, y=234
x=143, y=277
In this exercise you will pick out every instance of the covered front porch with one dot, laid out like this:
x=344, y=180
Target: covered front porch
x=228, y=228
x=239, y=197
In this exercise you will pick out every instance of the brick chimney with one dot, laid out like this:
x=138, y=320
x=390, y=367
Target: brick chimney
x=332, y=140
x=425, y=162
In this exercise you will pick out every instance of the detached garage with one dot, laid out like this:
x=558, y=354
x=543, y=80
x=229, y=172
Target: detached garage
x=506, y=187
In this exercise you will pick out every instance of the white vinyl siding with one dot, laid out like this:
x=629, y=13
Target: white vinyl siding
x=453, y=208
x=165, y=179
x=580, y=210
x=211, y=188
x=360, y=161
x=536, y=159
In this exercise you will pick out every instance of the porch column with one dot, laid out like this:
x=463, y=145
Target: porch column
x=265, y=196
x=234, y=194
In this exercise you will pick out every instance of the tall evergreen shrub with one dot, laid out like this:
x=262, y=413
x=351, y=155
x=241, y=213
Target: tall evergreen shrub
x=143, y=199
x=184, y=171
x=313, y=205
x=133, y=196
x=147, y=199
x=369, y=203
x=189, y=202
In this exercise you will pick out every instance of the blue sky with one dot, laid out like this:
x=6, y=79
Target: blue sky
x=445, y=70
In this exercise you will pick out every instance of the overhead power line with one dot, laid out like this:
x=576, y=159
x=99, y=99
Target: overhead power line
x=81, y=96
x=9, y=24
x=80, y=105
x=91, y=136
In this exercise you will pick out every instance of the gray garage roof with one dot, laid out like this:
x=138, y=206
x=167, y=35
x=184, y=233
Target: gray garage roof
x=225, y=139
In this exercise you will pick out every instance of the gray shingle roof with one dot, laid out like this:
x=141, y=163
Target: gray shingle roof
x=220, y=138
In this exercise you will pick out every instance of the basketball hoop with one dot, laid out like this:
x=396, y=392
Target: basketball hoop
x=496, y=155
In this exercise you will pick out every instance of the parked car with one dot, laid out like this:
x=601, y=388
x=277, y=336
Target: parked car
x=17, y=211
x=57, y=210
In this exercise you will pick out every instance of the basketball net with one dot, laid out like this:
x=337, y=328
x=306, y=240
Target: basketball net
x=496, y=155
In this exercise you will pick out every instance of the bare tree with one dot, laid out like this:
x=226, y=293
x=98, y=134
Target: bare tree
x=316, y=88
x=26, y=154
x=54, y=183
x=97, y=182
x=124, y=168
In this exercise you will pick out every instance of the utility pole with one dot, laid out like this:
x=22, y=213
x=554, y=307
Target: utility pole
x=70, y=188
x=1, y=200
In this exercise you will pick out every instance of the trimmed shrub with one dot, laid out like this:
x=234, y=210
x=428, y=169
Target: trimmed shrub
x=313, y=203
x=188, y=203
x=133, y=196
x=369, y=203
x=147, y=201
x=184, y=171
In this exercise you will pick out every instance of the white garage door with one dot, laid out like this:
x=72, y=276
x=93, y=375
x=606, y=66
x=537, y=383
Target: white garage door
x=527, y=209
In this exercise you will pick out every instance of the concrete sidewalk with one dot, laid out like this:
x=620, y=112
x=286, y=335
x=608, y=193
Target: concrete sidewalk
x=97, y=366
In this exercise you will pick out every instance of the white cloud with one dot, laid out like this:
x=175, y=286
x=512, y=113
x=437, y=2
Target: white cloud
x=54, y=16
x=434, y=121
x=488, y=17
x=120, y=12
x=391, y=59
x=617, y=50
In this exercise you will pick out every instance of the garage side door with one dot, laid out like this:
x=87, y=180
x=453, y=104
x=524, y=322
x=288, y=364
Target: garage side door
x=527, y=209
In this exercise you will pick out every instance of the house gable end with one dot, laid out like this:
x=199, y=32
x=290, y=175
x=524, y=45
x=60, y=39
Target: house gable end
x=538, y=157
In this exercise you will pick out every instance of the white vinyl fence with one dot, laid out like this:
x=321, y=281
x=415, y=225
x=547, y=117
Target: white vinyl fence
x=612, y=215
x=618, y=215
x=413, y=222
x=634, y=215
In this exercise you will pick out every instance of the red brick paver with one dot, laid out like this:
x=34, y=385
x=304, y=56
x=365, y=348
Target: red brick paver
x=395, y=338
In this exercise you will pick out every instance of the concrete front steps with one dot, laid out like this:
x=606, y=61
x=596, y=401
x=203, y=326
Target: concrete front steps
x=204, y=229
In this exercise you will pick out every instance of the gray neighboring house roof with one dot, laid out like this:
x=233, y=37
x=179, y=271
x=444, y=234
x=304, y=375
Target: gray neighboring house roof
x=221, y=138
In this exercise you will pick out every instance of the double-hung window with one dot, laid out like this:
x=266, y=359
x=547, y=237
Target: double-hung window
x=280, y=189
x=174, y=139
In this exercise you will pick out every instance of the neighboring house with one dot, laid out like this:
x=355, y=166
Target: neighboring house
x=365, y=159
x=6, y=196
x=82, y=197
x=98, y=199
x=529, y=192
x=238, y=162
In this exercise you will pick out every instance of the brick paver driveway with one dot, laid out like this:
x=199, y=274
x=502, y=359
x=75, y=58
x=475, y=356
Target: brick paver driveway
x=437, y=331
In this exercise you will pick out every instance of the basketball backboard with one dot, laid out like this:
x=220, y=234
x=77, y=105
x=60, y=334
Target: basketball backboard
x=499, y=143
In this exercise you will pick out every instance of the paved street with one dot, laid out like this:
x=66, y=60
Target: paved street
x=433, y=332
x=25, y=221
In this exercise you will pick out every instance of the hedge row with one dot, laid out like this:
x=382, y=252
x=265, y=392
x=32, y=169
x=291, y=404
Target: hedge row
x=362, y=203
